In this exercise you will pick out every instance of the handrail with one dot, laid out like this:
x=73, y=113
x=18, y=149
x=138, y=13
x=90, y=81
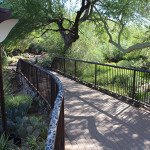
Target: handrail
x=130, y=83
x=91, y=62
x=51, y=89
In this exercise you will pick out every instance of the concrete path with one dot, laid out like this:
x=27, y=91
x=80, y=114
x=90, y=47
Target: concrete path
x=95, y=121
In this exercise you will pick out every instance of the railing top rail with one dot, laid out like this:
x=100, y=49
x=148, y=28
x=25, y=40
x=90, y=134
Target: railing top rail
x=50, y=142
x=90, y=62
x=40, y=68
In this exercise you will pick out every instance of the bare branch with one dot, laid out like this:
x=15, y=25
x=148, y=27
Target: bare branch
x=137, y=46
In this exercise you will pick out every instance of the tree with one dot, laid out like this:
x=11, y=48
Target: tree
x=42, y=14
x=121, y=14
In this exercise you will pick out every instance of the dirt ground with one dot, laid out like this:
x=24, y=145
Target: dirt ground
x=30, y=57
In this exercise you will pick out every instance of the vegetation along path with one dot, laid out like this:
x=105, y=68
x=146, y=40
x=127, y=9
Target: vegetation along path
x=95, y=121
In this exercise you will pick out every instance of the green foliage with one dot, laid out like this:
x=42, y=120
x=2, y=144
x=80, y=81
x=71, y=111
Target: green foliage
x=88, y=47
x=17, y=100
x=4, y=145
x=13, y=113
x=4, y=59
x=46, y=63
x=36, y=48
x=34, y=144
x=125, y=63
x=135, y=55
x=111, y=54
x=136, y=59
x=32, y=14
x=53, y=44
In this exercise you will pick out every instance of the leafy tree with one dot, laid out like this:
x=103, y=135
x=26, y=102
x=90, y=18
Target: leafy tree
x=121, y=14
x=42, y=14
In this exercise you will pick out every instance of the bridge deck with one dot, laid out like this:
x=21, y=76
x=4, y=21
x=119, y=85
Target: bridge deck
x=95, y=121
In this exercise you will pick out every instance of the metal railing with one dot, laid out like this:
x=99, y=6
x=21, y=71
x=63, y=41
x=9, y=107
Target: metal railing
x=133, y=84
x=51, y=90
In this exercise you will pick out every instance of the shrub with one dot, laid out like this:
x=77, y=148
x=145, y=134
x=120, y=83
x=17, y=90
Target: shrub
x=140, y=64
x=125, y=63
x=113, y=55
x=36, y=48
x=46, y=62
x=134, y=55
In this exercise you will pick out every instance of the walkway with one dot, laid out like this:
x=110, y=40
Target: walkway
x=95, y=121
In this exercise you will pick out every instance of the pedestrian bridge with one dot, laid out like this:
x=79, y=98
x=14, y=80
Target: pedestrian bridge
x=92, y=120
x=96, y=121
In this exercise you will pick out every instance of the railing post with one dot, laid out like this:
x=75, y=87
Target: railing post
x=37, y=81
x=60, y=135
x=2, y=101
x=64, y=66
x=75, y=67
x=95, y=74
x=133, y=90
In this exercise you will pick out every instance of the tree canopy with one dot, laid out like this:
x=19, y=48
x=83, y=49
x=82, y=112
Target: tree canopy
x=41, y=14
x=121, y=14
x=51, y=15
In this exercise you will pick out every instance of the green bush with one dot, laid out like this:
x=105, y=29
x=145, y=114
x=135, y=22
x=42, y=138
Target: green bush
x=125, y=63
x=140, y=64
x=134, y=55
x=36, y=48
x=113, y=55
x=17, y=100
x=46, y=62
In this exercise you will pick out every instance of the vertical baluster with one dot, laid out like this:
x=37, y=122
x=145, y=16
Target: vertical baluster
x=95, y=74
x=113, y=70
x=75, y=69
x=148, y=89
x=137, y=87
x=144, y=86
x=133, y=90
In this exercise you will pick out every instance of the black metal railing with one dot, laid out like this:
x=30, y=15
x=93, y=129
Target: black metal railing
x=130, y=83
x=51, y=90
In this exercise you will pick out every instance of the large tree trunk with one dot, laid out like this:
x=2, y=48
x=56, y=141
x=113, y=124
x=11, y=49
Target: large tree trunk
x=68, y=38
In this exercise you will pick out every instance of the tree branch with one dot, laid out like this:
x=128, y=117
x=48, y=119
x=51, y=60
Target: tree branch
x=137, y=46
x=119, y=36
x=105, y=24
x=116, y=45
x=79, y=13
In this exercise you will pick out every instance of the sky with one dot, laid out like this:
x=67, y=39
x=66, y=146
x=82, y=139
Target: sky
x=72, y=4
